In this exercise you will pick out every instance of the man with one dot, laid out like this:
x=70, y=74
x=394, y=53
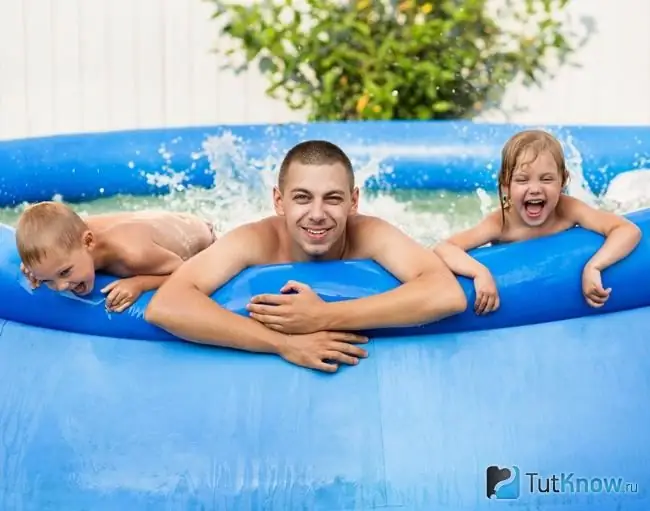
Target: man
x=316, y=204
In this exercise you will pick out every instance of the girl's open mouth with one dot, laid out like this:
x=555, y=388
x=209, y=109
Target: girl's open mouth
x=534, y=207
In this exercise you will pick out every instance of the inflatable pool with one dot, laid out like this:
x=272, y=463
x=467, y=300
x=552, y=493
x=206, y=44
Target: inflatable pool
x=542, y=404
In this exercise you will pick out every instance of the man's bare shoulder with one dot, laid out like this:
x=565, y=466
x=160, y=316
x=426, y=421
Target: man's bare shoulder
x=264, y=231
x=363, y=233
x=361, y=222
x=262, y=239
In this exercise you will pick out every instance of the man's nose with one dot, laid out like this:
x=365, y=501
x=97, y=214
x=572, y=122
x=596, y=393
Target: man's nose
x=317, y=212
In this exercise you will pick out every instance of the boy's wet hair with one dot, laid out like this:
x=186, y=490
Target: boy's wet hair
x=531, y=143
x=45, y=228
x=315, y=152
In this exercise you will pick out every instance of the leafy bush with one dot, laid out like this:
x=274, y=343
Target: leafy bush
x=409, y=59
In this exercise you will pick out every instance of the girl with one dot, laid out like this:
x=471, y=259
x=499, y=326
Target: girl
x=532, y=177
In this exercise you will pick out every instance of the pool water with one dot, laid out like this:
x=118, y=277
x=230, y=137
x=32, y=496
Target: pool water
x=428, y=216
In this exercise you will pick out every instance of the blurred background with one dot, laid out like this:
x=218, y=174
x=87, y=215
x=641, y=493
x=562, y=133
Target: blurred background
x=94, y=65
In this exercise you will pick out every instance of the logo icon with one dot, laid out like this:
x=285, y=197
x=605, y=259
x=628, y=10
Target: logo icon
x=502, y=483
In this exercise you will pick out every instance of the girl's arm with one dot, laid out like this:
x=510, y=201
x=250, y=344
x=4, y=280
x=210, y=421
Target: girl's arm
x=453, y=251
x=621, y=235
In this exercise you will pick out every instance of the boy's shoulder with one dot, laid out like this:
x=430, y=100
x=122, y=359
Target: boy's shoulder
x=128, y=242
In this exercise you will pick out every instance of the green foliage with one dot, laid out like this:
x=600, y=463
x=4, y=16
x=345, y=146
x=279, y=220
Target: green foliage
x=380, y=59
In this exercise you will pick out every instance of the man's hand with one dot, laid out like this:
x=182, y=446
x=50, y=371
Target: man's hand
x=33, y=281
x=297, y=313
x=122, y=293
x=324, y=351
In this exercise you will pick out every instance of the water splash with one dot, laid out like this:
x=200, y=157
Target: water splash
x=627, y=192
x=242, y=192
x=577, y=186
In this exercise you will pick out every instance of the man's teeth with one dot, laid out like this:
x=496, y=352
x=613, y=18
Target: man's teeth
x=316, y=231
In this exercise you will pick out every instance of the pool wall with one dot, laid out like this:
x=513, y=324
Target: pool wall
x=453, y=155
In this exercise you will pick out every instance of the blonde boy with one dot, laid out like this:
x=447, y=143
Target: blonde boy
x=60, y=249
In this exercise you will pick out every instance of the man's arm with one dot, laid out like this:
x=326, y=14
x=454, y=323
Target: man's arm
x=183, y=307
x=429, y=291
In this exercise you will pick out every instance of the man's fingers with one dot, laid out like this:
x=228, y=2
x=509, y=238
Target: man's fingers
x=341, y=358
x=264, y=309
x=266, y=319
x=274, y=326
x=350, y=349
x=326, y=367
x=271, y=299
x=349, y=337
x=293, y=285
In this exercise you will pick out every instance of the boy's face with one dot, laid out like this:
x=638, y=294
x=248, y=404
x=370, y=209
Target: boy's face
x=72, y=270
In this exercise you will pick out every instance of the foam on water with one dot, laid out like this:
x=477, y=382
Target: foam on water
x=243, y=191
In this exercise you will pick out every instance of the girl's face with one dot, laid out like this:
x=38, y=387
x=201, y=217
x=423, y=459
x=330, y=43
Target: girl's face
x=535, y=188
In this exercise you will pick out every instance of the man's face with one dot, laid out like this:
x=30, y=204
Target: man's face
x=316, y=202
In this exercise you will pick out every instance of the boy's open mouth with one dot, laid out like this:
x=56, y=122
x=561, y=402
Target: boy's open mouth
x=79, y=289
x=534, y=207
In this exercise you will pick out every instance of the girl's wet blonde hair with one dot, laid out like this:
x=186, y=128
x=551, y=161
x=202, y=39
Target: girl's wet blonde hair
x=529, y=143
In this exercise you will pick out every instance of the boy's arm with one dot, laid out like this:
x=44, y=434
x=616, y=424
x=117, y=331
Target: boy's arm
x=621, y=235
x=429, y=291
x=453, y=251
x=150, y=264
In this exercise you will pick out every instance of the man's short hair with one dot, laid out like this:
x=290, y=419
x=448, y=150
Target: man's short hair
x=47, y=227
x=315, y=152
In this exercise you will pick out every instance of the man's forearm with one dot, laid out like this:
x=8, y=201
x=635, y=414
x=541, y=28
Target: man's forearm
x=195, y=317
x=423, y=300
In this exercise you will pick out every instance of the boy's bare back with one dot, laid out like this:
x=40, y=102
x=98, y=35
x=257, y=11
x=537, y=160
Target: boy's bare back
x=135, y=232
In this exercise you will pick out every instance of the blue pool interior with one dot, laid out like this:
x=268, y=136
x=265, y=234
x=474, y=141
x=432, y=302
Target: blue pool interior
x=102, y=412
